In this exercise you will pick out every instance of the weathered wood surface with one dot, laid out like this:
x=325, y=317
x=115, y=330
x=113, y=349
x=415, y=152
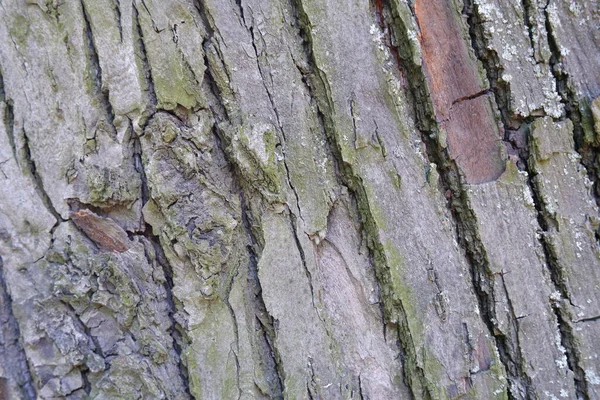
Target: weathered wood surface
x=299, y=199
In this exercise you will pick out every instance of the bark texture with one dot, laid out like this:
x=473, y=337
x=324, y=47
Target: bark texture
x=299, y=199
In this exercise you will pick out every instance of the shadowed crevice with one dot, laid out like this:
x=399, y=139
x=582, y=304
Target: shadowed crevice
x=490, y=61
x=176, y=332
x=456, y=190
x=319, y=90
x=95, y=70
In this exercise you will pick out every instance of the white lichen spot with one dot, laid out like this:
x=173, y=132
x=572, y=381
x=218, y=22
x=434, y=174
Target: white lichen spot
x=555, y=296
x=591, y=377
x=562, y=361
x=550, y=395
x=575, y=8
x=527, y=197
x=507, y=77
x=509, y=52
x=488, y=12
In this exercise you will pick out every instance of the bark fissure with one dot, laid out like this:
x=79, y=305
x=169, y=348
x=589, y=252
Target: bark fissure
x=84, y=370
x=177, y=334
x=139, y=37
x=471, y=97
x=8, y=117
x=271, y=360
x=569, y=343
x=272, y=102
x=236, y=334
x=117, y=7
x=95, y=68
x=12, y=346
x=574, y=110
x=490, y=61
x=452, y=184
x=175, y=331
x=37, y=181
x=590, y=319
x=414, y=374
x=527, y=21
x=309, y=278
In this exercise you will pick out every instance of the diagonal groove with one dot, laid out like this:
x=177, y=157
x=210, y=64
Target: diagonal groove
x=272, y=359
x=95, y=69
x=141, y=48
x=272, y=102
x=38, y=182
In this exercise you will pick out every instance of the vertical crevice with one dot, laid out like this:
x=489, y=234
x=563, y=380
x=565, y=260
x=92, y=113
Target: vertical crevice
x=95, y=70
x=31, y=169
x=527, y=11
x=9, y=125
x=589, y=159
x=268, y=91
x=24, y=158
x=270, y=357
x=236, y=333
x=12, y=351
x=176, y=332
x=491, y=64
x=451, y=183
x=138, y=35
x=577, y=111
x=569, y=343
x=393, y=309
x=119, y=19
x=263, y=326
x=92, y=341
x=8, y=117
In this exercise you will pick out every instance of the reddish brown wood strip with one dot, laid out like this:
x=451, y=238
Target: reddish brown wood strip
x=474, y=137
x=103, y=231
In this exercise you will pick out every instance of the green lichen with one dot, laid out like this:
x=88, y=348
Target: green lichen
x=19, y=29
x=254, y=149
x=395, y=177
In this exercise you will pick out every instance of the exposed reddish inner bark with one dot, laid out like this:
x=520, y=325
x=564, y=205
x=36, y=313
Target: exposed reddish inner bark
x=474, y=139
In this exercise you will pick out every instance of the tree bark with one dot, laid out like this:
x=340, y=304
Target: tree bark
x=299, y=199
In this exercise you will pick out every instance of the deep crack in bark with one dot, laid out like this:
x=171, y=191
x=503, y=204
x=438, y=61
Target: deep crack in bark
x=414, y=375
x=177, y=334
x=501, y=92
x=92, y=56
x=264, y=323
x=451, y=182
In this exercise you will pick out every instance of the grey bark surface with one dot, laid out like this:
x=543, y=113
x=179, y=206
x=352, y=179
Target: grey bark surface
x=299, y=199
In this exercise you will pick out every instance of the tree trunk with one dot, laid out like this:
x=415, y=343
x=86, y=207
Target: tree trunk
x=299, y=199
